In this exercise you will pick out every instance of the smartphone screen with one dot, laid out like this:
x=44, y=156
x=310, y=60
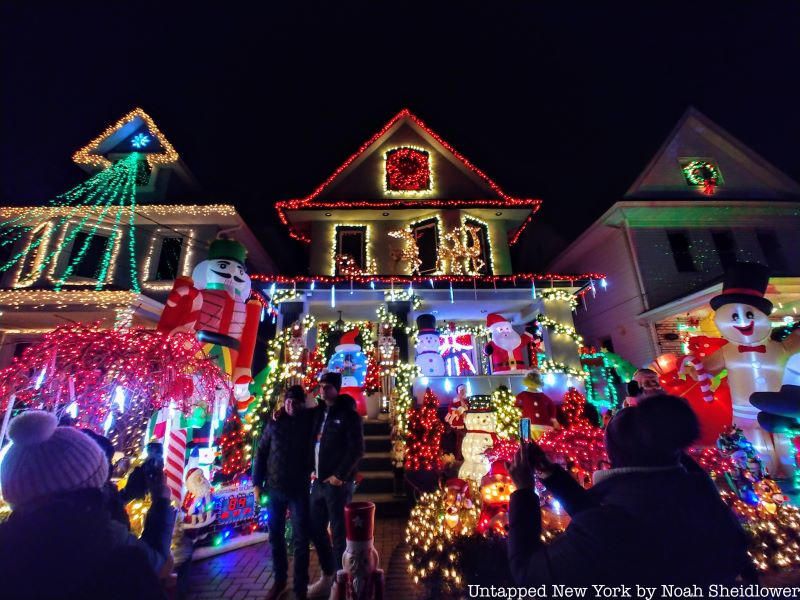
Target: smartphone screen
x=525, y=429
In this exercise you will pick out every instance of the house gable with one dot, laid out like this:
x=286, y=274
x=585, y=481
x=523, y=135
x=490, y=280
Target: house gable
x=739, y=172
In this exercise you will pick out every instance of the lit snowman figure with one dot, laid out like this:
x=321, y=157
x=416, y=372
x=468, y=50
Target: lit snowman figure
x=428, y=358
x=480, y=424
x=755, y=363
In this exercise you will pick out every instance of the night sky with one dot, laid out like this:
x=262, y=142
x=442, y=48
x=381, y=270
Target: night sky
x=564, y=101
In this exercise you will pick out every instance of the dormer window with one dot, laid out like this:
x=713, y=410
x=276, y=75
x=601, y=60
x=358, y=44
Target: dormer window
x=408, y=170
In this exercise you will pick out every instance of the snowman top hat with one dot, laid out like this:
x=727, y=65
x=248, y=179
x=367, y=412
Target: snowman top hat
x=348, y=342
x=426, y=325
x=744, y=283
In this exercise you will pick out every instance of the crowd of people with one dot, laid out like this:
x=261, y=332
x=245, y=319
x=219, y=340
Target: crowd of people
x=654, y=517
x=68, y=535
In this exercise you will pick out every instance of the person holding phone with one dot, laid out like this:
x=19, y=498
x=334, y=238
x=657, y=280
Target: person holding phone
x=647, y=520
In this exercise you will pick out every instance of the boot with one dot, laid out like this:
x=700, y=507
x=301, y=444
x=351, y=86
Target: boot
x=321, y=588
x=276, y=590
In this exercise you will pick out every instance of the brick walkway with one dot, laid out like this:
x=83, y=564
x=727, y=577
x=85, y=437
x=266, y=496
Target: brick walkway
x=246, y=574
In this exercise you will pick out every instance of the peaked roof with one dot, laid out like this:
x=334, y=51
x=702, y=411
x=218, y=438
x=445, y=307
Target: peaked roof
x=744, y=174
x=94, y=153
x=487, y=194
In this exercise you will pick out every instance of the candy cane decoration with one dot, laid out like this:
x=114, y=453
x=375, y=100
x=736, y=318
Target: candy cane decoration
x=175, y=440
x=703, y=376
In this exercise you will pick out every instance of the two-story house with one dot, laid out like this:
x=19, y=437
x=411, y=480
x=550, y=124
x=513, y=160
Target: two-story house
x=703, y=202
x=108, y=250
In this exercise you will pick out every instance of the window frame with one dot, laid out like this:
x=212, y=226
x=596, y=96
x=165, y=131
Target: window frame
x=672, y=235
x=486, y=243
x=149, y=266
x=727, y=256
x=350, y=229
x=437, y=232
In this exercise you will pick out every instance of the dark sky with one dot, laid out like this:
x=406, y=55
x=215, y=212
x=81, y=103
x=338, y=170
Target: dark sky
x=562, y=101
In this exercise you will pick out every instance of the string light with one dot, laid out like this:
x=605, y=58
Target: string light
x=311, y=201
x=703, y=174
x=484, y=281
x=149, y=263
x=507, y=413
x=407, y=169
x=560, y=329
x=423, y=436
x=88, y=154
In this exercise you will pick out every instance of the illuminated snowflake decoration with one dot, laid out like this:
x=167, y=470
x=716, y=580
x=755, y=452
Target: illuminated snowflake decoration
x=140, y=140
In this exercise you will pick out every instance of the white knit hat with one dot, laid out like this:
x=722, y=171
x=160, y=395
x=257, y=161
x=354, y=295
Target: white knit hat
x=45, y=459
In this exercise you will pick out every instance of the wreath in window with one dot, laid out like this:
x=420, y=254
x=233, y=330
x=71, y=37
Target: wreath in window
x=702, y=173
x=407, y=170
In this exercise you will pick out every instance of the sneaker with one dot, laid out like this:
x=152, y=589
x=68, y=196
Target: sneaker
x=276, y=590
x=321, y=588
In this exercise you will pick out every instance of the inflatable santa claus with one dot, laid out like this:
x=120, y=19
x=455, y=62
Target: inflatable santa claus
x=507, y=347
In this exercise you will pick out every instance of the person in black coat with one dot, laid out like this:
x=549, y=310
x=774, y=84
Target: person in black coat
x=338, y=447
x=283, y=464
x=647, y=520
x=60, y=541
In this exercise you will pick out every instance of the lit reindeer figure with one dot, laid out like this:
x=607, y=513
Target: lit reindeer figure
x=410, y=251
x=473, y=249
x=464, y=254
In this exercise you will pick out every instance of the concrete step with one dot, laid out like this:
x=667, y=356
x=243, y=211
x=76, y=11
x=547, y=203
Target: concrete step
x=376, y=461
x=386, y=505
x=377, y=428
x=377, y=443
x=376, y=482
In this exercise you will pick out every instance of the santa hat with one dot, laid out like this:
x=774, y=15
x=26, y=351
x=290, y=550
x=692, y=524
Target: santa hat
x=744, y=283
x=426, y=325
x=498, y=468
x=359, y=521
x=495, y=319
x=348, y=342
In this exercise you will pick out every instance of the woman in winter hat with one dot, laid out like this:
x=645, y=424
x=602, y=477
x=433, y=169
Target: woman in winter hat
x=60, y=541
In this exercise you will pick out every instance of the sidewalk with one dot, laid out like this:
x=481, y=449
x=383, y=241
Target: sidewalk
x=246, y=574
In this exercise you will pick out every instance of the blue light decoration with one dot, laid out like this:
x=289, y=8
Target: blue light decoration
x=603, y=283
x=140, y=140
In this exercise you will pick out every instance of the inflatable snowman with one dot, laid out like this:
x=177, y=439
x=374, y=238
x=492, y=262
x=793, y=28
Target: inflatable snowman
x=755, y=363
x=428, y=358
x=351, y=362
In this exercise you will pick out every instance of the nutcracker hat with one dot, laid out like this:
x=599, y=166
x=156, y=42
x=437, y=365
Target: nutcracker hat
x=359, y=521
x=426, y=325
x=495, y=319
x=744, y=283
x=227, y=249
x=348, y=342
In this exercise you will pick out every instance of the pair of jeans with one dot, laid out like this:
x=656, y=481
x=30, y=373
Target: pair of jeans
x=297, y=504
x=327, y=505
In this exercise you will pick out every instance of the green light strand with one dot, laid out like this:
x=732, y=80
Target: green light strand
x=132, y=239
x=109, y=200
x=110, y=174
x=112, y=241
x=68, y=239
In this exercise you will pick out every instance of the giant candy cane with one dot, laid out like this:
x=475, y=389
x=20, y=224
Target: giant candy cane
x=703, y=376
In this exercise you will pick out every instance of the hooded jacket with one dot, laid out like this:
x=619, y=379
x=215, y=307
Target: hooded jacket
x=284, y=458
x=341, y=439
x=645, y=526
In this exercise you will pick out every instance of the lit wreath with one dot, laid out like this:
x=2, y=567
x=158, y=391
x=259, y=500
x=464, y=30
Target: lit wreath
x=702, y=173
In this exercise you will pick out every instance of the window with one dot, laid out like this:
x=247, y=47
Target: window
x=681, y=251
x=483, y=240
x=89, y=265
x=37, y=242
x=773, y=250
x=407, y=170
x=607, y=343
x=725, y=244
x=427, y=236
x=351, y=241
x=169, y=259
x=6, y=246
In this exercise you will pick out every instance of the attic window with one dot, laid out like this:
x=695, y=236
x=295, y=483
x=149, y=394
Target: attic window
x=701, y=173
x=408, y=170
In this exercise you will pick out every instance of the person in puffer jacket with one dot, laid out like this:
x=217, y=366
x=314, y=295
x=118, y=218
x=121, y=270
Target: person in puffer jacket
x=282, y=470
x=647, y=520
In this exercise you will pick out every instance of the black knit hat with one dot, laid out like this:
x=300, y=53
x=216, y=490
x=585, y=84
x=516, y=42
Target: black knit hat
x=332, y=378
x=744, y=283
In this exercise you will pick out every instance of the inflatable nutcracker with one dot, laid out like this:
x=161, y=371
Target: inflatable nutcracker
x=537, y=406
x=295, y=355
x=360, y=577
x=351, y=362
x=428, y=358
x=507, y=347
x=387, y=356
x=754, y=362
x=214, y=302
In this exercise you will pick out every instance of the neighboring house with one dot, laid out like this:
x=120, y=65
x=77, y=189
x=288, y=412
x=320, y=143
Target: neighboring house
x=703, y=202
x=93, y=260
